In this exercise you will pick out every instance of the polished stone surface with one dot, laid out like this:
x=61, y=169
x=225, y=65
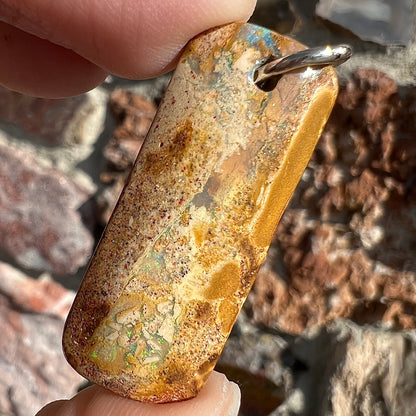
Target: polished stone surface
x=196, y=218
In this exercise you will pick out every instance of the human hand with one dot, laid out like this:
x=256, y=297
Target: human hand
x=219, y=397
x=66, y=47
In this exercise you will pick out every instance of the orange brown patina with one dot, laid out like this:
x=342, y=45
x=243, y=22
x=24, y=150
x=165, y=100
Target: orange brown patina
x=197, y=215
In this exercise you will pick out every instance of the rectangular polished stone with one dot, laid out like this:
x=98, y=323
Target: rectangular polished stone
x=195, y=220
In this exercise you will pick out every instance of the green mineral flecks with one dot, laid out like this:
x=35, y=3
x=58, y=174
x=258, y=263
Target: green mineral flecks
x=136, y=335
x=257, y=35
x=197, y=215
x=152, y=268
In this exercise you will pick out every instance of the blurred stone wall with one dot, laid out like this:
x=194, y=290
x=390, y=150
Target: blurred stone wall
x=62, y=165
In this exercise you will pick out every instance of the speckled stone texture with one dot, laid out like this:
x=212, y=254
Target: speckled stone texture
x=195, y=220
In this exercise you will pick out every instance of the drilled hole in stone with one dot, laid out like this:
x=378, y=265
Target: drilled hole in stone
x=269, y=84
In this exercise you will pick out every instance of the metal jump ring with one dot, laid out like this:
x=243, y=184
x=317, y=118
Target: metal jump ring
x=321, y=56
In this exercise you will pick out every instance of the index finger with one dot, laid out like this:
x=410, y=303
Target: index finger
x=130, y=38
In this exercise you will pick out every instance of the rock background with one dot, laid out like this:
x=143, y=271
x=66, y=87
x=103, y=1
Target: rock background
x=329, y=328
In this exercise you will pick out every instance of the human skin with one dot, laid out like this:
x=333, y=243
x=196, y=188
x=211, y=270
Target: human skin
x=56, y=49
x=219, y=397
x=61, y=48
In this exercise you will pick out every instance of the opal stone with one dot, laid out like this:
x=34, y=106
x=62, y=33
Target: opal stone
x=197, y=215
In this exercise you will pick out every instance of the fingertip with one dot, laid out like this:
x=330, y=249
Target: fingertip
x=223, y=396
x=232, y=404
x=36, y=67
x=134, y=38
x=219, y=397
x=166, y=29
x=53, y=409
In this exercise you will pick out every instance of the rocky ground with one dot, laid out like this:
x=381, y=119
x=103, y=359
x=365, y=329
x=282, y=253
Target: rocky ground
x=329, y=327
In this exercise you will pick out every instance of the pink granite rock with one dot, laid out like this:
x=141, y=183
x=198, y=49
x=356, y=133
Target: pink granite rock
x=44, y=119
x=345, y=247
x=40, y=223
x=33, y=370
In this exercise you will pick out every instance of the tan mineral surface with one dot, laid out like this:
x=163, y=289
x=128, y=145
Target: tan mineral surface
x=195, y=220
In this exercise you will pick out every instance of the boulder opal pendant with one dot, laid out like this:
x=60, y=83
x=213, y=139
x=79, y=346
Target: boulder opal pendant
x=197, y=215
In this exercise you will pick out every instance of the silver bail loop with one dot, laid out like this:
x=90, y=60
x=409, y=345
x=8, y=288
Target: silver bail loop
x=321, y=56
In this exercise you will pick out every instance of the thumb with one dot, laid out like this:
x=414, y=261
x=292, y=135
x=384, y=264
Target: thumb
x=219, y=397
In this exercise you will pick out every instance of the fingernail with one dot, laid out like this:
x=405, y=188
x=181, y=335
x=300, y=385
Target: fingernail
x=233, y=394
